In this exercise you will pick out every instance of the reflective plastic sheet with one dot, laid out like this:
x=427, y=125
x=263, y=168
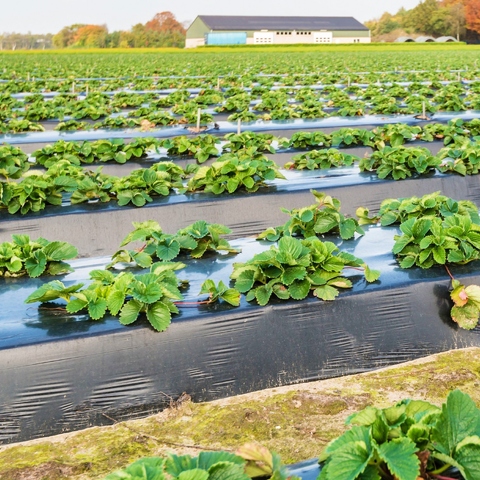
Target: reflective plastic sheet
x=63, y=372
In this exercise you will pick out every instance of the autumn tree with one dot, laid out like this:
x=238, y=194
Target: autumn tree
x=91, y=36
x=165, y=22
x=65, y=37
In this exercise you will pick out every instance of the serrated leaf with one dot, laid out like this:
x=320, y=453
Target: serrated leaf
x=468, y=455
x=59, y=251
x=115, y=301
x=129, y=312
x=466, y=316
x=231, y=296
x=370, y=275
x=399, y=455
x=263, y=294
x=245, y=281
x=349, y=462
x=407, y=261
x=159, y=316
x=142, y=259
x=76, y=305
x=459, y=419
x=293, y=273
x=97, y=308
x=168, y=250
x=281, y=291
x=326, y=292
x=439, y=255
x=401, y=243
x=347, y=228
x=227, y=471
x=194, y=474
x=208, y=459
x=176, y=464
x=299, y=289
x=291, y=246
x=35, y=265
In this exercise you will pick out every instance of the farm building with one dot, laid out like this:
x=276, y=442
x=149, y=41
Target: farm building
x=237, y=30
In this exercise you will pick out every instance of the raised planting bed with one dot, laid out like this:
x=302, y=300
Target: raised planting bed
x=65, y=371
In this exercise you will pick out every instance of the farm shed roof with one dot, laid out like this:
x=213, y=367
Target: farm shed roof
x=221, y=22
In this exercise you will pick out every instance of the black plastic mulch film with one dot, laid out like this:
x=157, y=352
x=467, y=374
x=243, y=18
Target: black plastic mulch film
x=63, y=372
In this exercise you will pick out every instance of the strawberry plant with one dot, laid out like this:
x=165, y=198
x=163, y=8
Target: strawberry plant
x=244, y=116
x=248, y=462
x=201, y=147
x=463, y=159
x=323, y=159
x=125, y=295
x=196, y=239
x=23, y=256
x=18, y=126
x=220, y=291
x=247, y=170
x=436, y=231
x=395, y=211
x=399, y=162
x=353, y=136
x=314, y=109
x=32, y=194
x=295, y=268
x=408, y=441
x=138, y=187
x=241, y=141
x=307, y=140
x=319, y=218
x=13, y=162
x=396, y=134
x=72, y=125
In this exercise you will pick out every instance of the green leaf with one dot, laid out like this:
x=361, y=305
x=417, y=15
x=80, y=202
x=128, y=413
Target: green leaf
x=401, y=243
x=460, y=418
x=293, y=273
x=466, y=316
x=149, y=293
x=208, y=459
x=129, y=312
x=439, y=255
x=326, y=292
x=59, y=251
x=347, y=228
x=245, y=281
x=468, y=455
x=227, y=471
x=231, y=296
x=35, y=265
x=142, y=259
x=97, y=308
x=76, y=305
x=51, y=291
x=115, y=301
x=281, y=291
x=175, y=464
x=263, y=294
x=194, y=474
x=299, y=289
x=399, y=455
x=349, y=462
x=291, y=246
x=159, y=316
x=371, y=275
x=168, y=250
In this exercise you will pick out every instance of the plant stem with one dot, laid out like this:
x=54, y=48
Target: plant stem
x=449, y=273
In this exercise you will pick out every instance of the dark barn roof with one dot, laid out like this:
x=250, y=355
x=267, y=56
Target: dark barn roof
x=221, y=22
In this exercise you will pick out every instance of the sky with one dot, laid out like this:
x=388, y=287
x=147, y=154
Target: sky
x=50, y=16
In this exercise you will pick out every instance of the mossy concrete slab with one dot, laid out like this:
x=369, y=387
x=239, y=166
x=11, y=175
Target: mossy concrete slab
x=296, y=421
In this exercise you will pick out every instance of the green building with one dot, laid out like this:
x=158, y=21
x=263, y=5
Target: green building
x=237, y=30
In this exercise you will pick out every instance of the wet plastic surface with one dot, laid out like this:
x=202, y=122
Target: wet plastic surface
x=97, y=229
x=228, y=127
x=64, y=371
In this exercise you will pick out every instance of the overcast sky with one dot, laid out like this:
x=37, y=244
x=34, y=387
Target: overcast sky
x=50, y=16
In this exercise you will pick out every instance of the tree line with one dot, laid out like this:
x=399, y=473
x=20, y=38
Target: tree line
x=163, y=30
x=456, y=18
